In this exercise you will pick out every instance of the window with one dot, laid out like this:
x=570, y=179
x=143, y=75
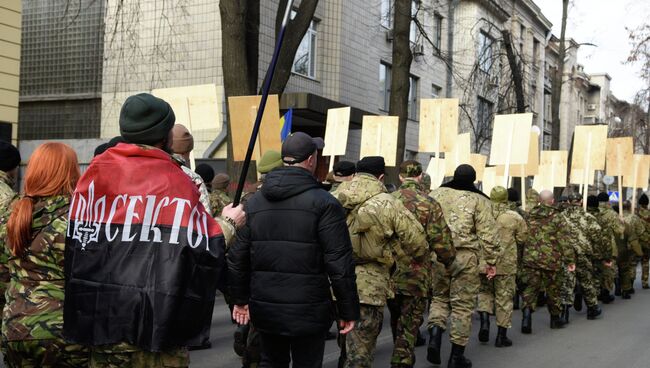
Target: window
x=386, y=14
x=305, y=60
x=437, y=30
x=536, y=56
x=484, y=114
x=485, y=52
x=435, y=91
x=413, y=98
x=413, y=34
x=384, y=86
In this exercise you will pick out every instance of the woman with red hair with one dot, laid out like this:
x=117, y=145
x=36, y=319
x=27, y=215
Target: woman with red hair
x=33, y=239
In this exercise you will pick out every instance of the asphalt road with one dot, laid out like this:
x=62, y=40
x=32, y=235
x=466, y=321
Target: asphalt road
x=620, y=338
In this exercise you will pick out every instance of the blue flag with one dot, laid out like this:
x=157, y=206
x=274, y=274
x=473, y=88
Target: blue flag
x=285, y=125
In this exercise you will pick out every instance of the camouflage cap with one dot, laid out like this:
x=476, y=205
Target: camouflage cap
x=574, y=196
x=532, y=195
x=499, y=194
x=410, y=169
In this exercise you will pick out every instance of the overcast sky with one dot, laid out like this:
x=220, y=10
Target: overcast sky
x=603, y=22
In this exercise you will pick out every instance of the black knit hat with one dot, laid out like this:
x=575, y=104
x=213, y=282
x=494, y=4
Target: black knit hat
x=513, y=195
x=465, y=174
x=592, y=201
x=374, y=165
x=643, y=200
x=603, y=197
x=206, y=172
x=9, y=156
x=146, y=119
x=344, y=168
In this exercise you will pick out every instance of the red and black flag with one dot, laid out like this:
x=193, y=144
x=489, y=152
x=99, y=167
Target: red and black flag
x=143, y=257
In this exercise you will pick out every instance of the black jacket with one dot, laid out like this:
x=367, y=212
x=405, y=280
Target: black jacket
x=294, y=246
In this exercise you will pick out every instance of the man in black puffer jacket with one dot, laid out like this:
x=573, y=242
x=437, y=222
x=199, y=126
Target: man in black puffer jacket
x=294, y=248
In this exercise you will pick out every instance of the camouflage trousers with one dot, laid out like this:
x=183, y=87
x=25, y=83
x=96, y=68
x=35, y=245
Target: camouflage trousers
x=360, y=342
x=406, y=316
x=495, y=297
x=586, y=278
x=626, y=269
x=609, y=277
x=50, y=353
x=454, y=295
x=645, y=269
x=535, y=281
x=568, y=286
x=128, y=356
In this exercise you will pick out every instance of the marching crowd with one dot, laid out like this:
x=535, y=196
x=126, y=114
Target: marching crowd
x=138, y=245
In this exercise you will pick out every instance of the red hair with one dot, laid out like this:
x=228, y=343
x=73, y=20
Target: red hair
x=52, y=170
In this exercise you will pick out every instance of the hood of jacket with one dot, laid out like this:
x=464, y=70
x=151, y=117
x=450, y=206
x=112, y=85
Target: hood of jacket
x=362, y=187
x=542, y=211
x=287, y=182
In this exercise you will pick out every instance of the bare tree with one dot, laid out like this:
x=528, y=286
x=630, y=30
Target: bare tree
x=640, y=54
x=556, y=84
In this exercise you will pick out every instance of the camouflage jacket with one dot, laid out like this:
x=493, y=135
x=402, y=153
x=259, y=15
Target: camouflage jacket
x=549, y=245
x=218, y=200
x=383, y=233
x=197, y=180
x=644, y=214
x=612, y=225
x=634, y=233
x=413, y=278
x=598, y=245
x=34, y=308
x=469, y=217
x=7, y=194
x=512, y=233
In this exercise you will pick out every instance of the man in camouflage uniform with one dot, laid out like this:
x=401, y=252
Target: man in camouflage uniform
x=612, y=224
x=469, y=216
x=629, y=250
x=569, y=282
x=381, y=229
x=532, y=199
x=9, y=163
x=590, y=246
x=219, y=197
x=644, y=214
x=413, y=275
x=548, y=248
x=341, y=172
x=496, y=295
x=426, y=182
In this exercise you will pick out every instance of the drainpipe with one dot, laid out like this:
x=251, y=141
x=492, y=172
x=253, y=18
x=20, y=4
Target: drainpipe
x=450, y=45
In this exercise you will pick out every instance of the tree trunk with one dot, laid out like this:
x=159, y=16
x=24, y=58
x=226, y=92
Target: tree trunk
x=402, y=58
x=515, y=68
x=556, y=96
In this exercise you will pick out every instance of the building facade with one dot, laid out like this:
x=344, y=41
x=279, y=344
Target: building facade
x=10, y=40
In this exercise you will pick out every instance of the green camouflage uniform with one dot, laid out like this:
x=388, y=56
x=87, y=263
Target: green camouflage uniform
x=614, y=228
x=547, y=250
x=569, y=279
x=33, y=316
x=473, y=231
x=413, y=276
x=496, y=295
x=644, y=214
x=197, y=180
x=7, y=196
x=592, y=249
x=128, y=356
x=218, y=200
x=382, y=230
x=7, y=193
x=629, y=248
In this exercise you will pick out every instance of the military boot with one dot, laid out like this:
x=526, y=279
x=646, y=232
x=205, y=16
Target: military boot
x=457, y=358
x=502, y=338
x=484, y=331
x=433, y=349
x=526, y=321
x=606, y=297
x=564, y=315
x=625, y=294
x=594, y=311
x=556, y=322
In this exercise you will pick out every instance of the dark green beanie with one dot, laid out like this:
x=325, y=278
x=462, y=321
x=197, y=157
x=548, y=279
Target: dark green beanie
x=146, y=119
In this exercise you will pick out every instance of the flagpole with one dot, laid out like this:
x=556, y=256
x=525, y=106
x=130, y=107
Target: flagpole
x=260, y=111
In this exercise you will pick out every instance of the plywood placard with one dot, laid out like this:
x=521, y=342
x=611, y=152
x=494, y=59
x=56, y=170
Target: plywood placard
x=437, y=176
x=640, y=168
x=577, y=177
x=552, y=170
x=243, y=110
x=595, y=150
x=619, y=156
x=336, y=131
x=379, y=137
x=511, y=139
x=438, y=124
x=478, y=163
x=529, y=169
x=459, y=155
x=490, y=180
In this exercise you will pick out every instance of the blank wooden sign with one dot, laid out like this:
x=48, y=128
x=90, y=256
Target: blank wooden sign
x=511, y=131
x=336, y=131
x=619, y=156
x=582, y=147
x=459, y=155
x=438, y=124
x=436, y=176
x=640, y=168
x=552, y=170
x=490, y=180
x=529, y=169
x=379, y=137
x=478, y=163
x=243, y=110
x=577, y=177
